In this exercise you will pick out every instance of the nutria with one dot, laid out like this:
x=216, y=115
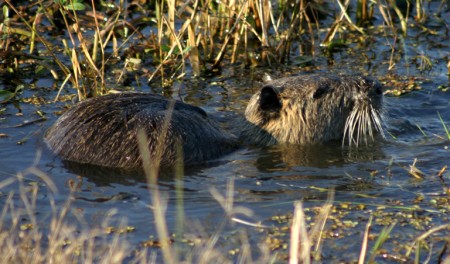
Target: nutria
x=299, y=110
x=313, y=109
x=102, y=131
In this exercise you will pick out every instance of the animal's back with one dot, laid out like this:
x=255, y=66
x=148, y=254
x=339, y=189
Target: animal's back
x=103, y=131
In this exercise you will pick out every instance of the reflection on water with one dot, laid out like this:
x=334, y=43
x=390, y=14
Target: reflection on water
x=285, y=157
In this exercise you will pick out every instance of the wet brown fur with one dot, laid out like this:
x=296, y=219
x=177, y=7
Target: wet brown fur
x=102, y=131
x=299, y=110
x=312, y=109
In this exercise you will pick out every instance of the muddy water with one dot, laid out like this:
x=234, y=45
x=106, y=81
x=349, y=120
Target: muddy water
x=268, y=180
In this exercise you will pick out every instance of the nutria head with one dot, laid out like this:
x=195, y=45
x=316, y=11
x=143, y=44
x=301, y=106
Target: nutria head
x=314, y=109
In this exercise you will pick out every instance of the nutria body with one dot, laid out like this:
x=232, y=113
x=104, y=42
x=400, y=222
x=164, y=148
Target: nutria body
x=299, y=110
x=314, y=109
x=102, y=131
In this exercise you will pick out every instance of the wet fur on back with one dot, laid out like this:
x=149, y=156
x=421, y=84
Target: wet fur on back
x=102, y=131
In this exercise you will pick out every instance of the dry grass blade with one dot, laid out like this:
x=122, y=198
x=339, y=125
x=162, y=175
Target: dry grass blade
x=151, y=168
x=448, y=67
x=441, y=172
x=240, y=221
x=228, y=37
x=403, y=18
x=300, y=242
x=424, y=236
x=415, y=172
x=347, y=17
x=41, y=39
x=227, y=201
x=362, y=255
x=28, y=236
x=361, y=11
x=193, y=54
x=171, y=21
x=263, y=8
x=336, y=24
x=331, y=33
x=317, y=230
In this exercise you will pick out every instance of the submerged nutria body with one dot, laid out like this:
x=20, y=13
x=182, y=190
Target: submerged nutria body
x=103, y=131
x=299, y=110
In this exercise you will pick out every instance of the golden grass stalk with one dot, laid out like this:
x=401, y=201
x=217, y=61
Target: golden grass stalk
x=300, y=244
x=227, y=201
x=403, y=18
x=171, y=21
x=264, y=9
x=361, y=11
x=41, y=39
x=301, y=240
x=448, y=67
x=337, y=24
x=362, y=255
x=316, y=232
x=420, y=12
x=26, y=239
x=75, y=58
x=416, y=172
x=151, y=167
x=214, y=29
x=78, y=77
x=193, y=54
x=228, y=37
x=416, y=243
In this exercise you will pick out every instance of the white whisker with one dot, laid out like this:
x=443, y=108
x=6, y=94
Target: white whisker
x=361, y=125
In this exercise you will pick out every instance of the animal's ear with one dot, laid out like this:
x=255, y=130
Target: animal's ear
x=268, y=99
x=320, y=91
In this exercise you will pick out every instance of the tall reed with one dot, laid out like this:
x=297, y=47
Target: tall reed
x=189, y=38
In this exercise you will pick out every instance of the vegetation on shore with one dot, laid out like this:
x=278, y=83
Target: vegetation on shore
x=95, y=45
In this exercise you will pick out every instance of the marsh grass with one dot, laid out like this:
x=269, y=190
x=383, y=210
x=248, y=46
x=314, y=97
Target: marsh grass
x=446, y=129
x=30, y=235
x=62, y=236
x=186, y=38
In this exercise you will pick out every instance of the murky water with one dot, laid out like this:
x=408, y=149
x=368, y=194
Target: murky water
x=266, y=180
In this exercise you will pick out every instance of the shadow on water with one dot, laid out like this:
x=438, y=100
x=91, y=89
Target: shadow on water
x=283, y=170
x=290, y=172
x=104, y=176
x=270, y=159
